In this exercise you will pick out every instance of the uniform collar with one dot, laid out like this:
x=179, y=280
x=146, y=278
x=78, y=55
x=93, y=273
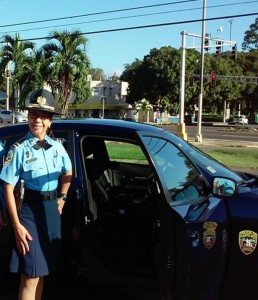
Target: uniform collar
x=37, y=144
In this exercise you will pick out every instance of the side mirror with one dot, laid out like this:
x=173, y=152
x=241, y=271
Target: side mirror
x=223, y=187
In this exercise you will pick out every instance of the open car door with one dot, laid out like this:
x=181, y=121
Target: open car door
x=191, y=252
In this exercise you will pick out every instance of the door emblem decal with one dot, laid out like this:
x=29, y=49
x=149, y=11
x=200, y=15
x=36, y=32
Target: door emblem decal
x=247, y=241
x=209, y=235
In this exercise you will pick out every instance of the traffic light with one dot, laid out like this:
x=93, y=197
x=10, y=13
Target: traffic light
x=206, y=41
x=234, y=51
x=7, y=73
x=191, y=80
x=218, y=47
x=213, y=79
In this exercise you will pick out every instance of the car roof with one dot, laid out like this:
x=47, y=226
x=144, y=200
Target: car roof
x=92, y=124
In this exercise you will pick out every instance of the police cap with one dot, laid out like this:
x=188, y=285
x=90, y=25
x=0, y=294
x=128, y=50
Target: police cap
x=42, y=100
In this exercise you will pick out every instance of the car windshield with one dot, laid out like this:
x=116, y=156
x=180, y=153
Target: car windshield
x=208, y=165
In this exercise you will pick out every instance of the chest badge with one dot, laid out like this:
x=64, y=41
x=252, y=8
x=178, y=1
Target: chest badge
x=247, y=241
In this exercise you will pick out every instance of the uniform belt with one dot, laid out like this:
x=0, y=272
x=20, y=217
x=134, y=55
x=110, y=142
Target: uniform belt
x=39, y=195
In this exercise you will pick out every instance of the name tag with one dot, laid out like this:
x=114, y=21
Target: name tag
x=31, y=160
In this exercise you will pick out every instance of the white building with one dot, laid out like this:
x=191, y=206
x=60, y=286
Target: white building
x=108, y=99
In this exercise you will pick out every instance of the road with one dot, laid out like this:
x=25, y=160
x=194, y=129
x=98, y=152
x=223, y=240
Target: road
x=247, y=133
x=243, y=134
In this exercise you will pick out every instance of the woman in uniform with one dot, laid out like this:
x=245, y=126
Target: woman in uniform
x=35, y=164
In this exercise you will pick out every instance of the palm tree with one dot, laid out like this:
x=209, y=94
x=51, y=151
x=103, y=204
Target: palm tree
x=145, y=107
x=18, y=53
x=68, y=65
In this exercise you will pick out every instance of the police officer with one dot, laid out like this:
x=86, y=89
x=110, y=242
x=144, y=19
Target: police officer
x=36, y=164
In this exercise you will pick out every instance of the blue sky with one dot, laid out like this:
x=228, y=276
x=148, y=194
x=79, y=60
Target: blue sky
x=112, y=50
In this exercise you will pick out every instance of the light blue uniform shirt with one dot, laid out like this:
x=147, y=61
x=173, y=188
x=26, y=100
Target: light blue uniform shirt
x=40, y=169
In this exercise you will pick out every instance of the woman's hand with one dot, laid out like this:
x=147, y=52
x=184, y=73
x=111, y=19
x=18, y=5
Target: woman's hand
x=60, y=205
x=21, y=237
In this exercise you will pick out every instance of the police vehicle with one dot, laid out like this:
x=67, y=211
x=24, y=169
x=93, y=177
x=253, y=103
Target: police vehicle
x=148, y=210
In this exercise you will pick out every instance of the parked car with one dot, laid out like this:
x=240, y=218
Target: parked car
x=146, y=206
x=240, y=119
x=20, y=117
x=5, y=116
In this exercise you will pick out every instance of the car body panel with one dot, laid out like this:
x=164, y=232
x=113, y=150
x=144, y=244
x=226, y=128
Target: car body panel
x=155, y=216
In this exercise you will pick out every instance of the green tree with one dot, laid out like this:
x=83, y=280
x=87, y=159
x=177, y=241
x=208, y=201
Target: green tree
x=249, y=63
x=18, y=53
x=225, y=90
x=251, y=37
x=97, y=74
x=68, y=66
x=157, y=77
x=131, y=74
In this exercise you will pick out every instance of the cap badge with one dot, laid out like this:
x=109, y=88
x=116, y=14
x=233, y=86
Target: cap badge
x=41, y=100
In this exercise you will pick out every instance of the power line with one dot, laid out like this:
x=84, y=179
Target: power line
x=152, y=25
x=98, y=13
x=135, y=16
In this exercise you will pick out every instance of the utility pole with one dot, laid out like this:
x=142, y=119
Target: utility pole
x=7, y=74
x=103, y=99
x=181, y=126
x=198, y=137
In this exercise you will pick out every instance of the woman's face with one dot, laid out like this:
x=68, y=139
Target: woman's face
x=39, y=122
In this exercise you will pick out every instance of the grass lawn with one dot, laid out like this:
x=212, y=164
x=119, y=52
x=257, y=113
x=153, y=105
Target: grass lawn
x=235, y=157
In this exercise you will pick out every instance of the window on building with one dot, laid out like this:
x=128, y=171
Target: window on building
x=95, y=91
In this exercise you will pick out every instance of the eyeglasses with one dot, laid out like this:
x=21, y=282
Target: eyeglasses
x=39, y=114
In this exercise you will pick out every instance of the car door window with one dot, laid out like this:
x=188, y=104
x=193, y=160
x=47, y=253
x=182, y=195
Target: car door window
x=125, y=152
x=180, y=176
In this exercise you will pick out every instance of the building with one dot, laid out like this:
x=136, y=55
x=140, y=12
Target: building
x=108, y=100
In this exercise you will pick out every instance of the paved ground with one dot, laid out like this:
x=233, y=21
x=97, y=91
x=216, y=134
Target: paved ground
x=80, y=288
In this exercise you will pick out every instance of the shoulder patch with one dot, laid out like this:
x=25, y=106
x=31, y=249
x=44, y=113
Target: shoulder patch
x=59, y=140
x=8, y=158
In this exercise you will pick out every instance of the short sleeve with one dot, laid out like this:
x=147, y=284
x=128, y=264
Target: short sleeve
x=67, y=164
x=11, y=168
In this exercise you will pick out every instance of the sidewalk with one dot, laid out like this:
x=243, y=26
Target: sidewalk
x=215, y=143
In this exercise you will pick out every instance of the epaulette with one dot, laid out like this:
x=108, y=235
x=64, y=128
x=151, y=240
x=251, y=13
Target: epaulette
x=59, y=140
x=17, y=144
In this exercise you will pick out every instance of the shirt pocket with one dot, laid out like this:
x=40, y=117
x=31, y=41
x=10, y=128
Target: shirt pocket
x=31, y=165
x=32, y=169
x=57, y=162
